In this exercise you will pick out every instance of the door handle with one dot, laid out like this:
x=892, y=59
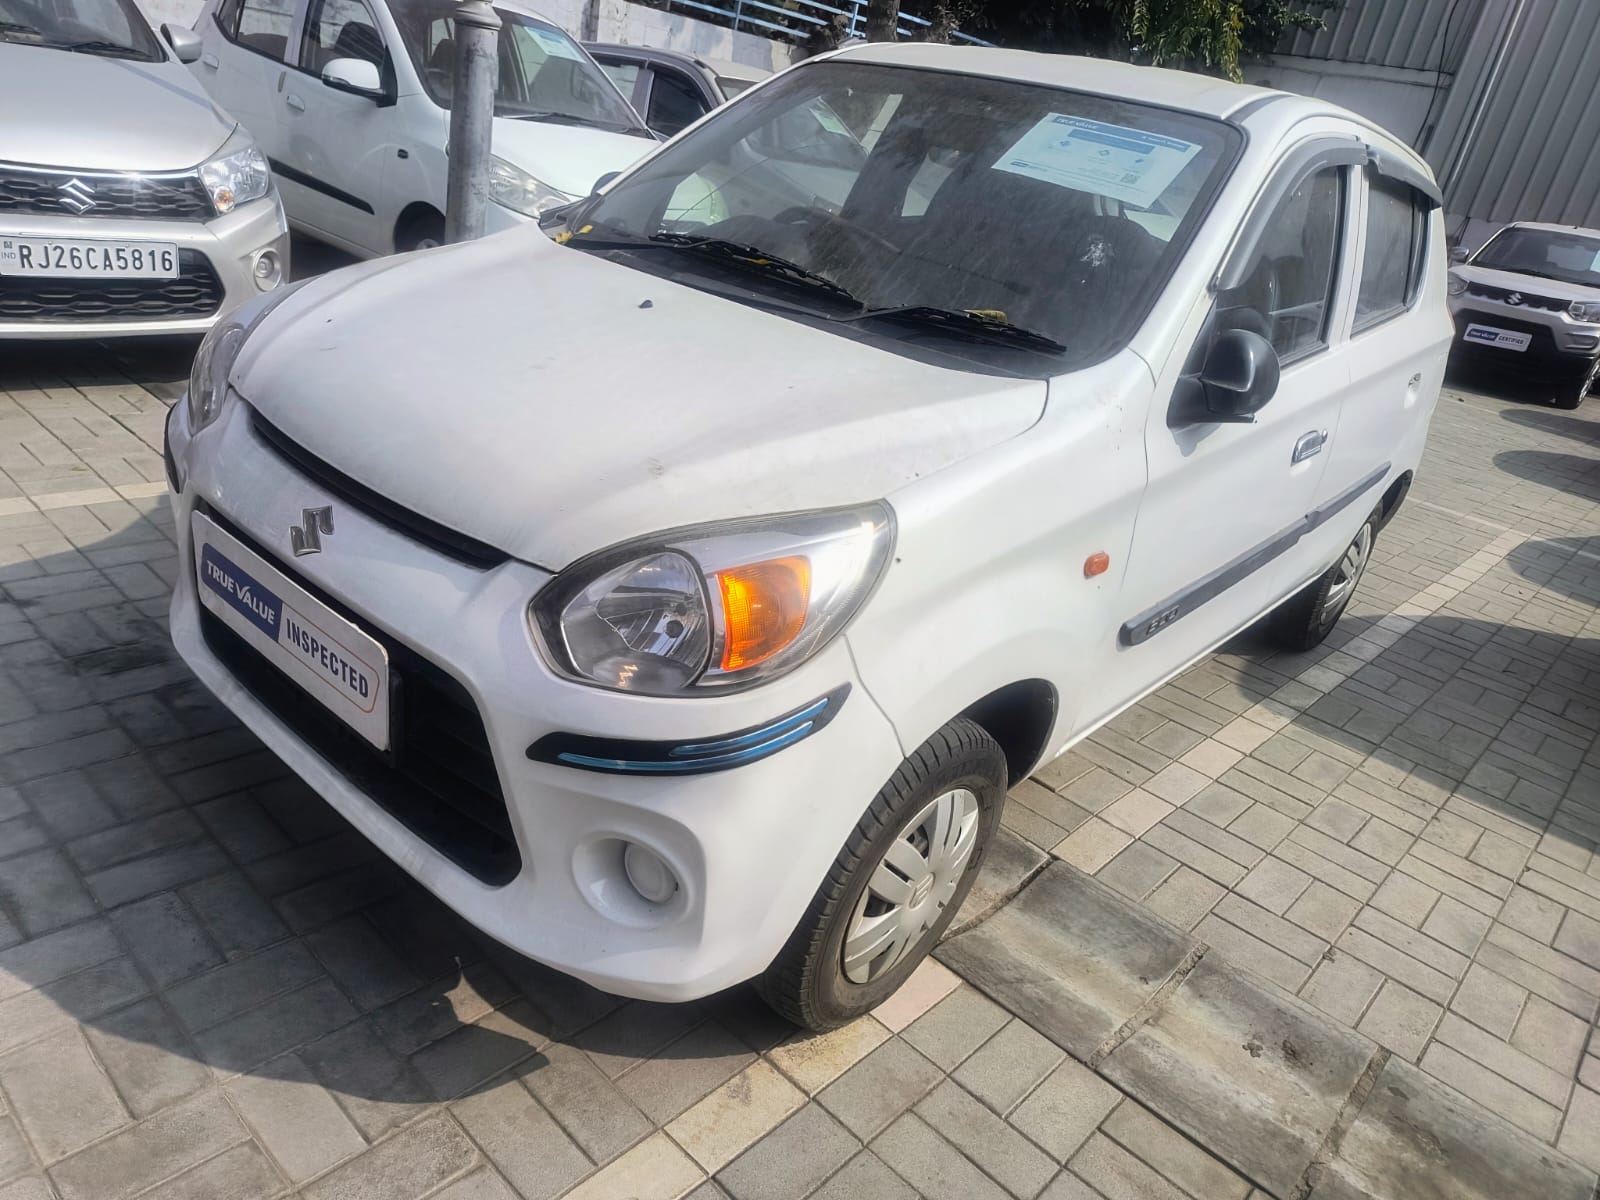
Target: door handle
x=294, y=102
x=210, y=60
x=1309, y=444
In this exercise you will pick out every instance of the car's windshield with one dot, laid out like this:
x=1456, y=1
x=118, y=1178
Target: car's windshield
x=109, y=28
x=544, y=74
x=1569, y=257
x=1050, y=210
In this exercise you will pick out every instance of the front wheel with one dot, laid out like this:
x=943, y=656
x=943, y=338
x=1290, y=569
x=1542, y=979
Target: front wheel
x=1306, y=618
x=896, y=884
x=1571, y=391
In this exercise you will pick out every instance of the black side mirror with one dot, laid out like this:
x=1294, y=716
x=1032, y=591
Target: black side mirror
x=603, y=180
x=1239, y=376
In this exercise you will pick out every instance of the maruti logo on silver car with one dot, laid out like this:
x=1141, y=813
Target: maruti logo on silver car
x=306, y=538
x=76, y=195
x=1514, y=298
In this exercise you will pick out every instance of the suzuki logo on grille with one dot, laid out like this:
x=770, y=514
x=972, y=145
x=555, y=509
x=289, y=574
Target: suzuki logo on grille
x=306, y=537
x=1514, y=298
x=76, y=195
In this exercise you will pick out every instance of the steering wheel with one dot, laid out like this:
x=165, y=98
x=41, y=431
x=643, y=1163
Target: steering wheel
x=800, y=215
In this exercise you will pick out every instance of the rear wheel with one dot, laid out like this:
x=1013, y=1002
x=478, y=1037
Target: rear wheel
x=421, y=231
x=896, y=884
x=1571, y=391
x=1305, y=619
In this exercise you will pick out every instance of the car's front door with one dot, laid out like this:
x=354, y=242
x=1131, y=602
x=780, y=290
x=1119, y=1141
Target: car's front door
x=338, y=143
x=1220, y=533
x=242, y=63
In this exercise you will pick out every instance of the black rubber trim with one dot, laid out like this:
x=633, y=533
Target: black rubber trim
x=318, y=185
x=686, y=756
x=447, y=541
x=1153, y=620
x=174, y=484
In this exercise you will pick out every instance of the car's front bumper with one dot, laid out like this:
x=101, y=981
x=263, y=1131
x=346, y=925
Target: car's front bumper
x=228, y=244
x=1557, y=343
x=750, y=845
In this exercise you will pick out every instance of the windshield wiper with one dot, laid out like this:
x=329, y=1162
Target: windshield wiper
x=751, y=257
x=18, y=27
x=971, y=323
x=101, y=46
x=554, y=118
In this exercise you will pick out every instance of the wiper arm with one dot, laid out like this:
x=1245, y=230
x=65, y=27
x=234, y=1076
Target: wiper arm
x=984, y=326
x=101, y=46
x=554, y=118
x=18, y=27
x=752, y=257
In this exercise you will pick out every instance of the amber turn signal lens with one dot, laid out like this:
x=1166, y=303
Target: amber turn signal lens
x=763, y=608
x=1097, y=563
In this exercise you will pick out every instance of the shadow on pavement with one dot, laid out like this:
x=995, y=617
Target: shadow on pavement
x=1578, y=427
x=168, y=885
x=1576, y=474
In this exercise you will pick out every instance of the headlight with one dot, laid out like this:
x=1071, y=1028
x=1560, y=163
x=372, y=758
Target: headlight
x=1456, y=286
x=716, y=606
x=515, y=188
x=208, y=378
x=1585, y=310
x=236, y=176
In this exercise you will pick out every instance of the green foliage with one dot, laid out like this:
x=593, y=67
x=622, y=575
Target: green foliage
x=1204, y=35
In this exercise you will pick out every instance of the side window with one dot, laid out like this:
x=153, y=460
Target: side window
x=1391, y=266
x=261, y=25
x=674, y=103
x=227, y=18
x=624, y=74
x=340, y=29
x=1287, y=293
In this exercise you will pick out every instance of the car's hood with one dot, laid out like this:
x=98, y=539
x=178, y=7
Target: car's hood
x=569, y=158
x=1533, y=285
x=552, y=403
x=94, y=113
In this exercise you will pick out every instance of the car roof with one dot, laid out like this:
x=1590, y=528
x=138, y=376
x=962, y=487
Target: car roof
x=1545, y=227
x=1151, y=85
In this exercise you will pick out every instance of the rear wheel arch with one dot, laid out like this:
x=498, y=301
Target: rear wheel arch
x=419, y=214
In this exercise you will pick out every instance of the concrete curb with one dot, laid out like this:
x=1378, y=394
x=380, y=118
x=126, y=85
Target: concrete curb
x=1304, y=1107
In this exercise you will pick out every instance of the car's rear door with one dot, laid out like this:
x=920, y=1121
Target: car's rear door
x=1220, y=530
x=242, y=63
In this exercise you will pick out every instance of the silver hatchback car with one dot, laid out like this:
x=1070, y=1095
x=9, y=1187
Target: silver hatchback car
x=129, y=203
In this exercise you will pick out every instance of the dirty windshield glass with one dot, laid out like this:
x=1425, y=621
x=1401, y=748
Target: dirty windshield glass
x=1569, y=257
x=1003, y=207
x=109, y=28
x=544, y=75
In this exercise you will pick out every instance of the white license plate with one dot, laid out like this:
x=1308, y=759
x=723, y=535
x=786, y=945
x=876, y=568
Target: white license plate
x=1488, y=335
x=339, y=666
x=78, y=258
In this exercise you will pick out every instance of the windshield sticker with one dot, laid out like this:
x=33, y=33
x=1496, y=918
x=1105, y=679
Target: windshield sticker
x=830, y=121
x=1130, y=165
x=554, y=45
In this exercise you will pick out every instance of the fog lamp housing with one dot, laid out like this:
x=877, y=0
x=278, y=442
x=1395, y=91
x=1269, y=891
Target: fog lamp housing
x=649, y=873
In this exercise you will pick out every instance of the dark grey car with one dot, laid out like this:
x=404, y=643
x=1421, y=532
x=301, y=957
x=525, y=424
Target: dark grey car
x=670, y=88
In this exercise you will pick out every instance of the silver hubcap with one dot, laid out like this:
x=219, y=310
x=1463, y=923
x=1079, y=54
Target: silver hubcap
x=428, y=243
x=911, y=885
x=1350, y=568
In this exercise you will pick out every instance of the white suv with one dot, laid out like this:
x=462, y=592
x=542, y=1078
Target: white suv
x=684, y=619
x=350, y=101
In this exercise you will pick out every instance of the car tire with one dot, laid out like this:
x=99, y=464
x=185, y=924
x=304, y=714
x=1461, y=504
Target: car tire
x=423, y=231
x=1571, y=390
x=1304, y=620
x=956, y=780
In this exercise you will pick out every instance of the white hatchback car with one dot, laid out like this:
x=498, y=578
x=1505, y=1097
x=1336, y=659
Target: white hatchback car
x=676, y=601
x=350, y=101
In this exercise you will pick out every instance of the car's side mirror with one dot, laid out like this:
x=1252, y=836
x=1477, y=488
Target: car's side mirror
x=1240, y=375
x=1459, y=254
x=602, y=181
x=1236, y=380
x=185, y=42
x=354, y=75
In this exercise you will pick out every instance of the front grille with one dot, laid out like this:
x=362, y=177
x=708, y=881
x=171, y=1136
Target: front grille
x=56, y=192
x=380, y=508
x=1527, y=301
x=438, y=778
x=195, y=292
